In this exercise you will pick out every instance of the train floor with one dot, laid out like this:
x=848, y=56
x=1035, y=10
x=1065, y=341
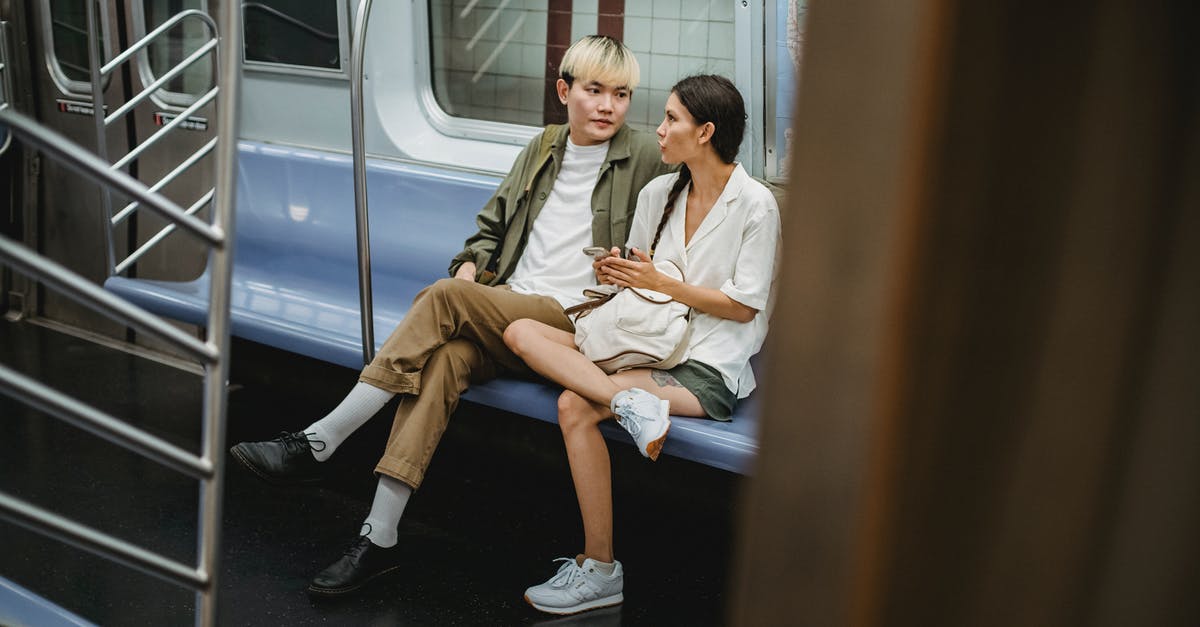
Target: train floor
x=496, y=507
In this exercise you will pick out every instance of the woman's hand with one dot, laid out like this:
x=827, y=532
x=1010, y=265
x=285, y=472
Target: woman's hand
x=598, y=266
x=634, y=273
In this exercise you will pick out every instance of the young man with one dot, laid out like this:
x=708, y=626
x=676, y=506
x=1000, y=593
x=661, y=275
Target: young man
x=578, y=185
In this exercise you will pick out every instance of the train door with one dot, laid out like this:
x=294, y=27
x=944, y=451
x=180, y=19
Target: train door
x=72, y=222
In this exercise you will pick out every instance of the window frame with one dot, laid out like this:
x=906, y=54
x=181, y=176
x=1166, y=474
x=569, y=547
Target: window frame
x=342, y=73
x=438, y=118
x=162, y=97
x=68, y=86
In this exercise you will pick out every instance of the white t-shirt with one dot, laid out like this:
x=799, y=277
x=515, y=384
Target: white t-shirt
x=736, y=249
x=553, y=263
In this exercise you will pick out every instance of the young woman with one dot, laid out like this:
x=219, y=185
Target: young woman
x=722, y=228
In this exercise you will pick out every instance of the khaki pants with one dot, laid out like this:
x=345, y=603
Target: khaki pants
x=452, y=336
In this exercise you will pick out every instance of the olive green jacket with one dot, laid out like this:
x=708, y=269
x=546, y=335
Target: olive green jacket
x=633, y=159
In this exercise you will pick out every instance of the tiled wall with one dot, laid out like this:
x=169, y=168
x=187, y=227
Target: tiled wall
x=671, y=38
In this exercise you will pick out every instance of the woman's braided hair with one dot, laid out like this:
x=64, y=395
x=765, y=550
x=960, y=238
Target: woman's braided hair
x=708, y=98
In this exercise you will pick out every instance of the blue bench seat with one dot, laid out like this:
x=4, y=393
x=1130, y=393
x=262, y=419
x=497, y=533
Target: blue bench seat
x=295, y=277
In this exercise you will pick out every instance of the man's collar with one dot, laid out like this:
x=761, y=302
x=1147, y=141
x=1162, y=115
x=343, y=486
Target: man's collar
x=618, y=146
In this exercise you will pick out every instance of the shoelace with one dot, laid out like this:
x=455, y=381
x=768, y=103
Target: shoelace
x=631, y=423
x=567, y=573
x=356, y=550
x=291, y=441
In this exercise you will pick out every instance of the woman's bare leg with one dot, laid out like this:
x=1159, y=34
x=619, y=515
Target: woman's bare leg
x=587, y=451
x=551, y=353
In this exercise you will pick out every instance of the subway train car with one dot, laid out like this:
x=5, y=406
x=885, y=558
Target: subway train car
x=299, y=171
x=977, y=400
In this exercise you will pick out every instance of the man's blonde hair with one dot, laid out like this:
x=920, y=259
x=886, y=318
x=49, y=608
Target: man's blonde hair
x=602, y=59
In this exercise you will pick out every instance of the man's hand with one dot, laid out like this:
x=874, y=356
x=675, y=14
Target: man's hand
x=602, y=277
x=466, y=271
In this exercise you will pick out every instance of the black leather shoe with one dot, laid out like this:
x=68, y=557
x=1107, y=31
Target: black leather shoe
x=361, y=563
x=286, y=460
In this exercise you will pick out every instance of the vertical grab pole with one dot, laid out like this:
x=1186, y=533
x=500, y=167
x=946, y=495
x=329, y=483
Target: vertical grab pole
x=95, y=59
x=362, y=226
x=229, y=57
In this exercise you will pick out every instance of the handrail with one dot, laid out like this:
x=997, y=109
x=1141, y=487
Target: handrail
x=361, y=220
x=209, y=466
x=152, y=35
x=163, y=233
x=165, y=180
x=162, y=80
x=98, y=423
x=162, y=132
x=44, y=521
x=70, y=284
x=99, y=171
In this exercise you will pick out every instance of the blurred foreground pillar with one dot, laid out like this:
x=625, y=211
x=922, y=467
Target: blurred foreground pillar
x=983, y=402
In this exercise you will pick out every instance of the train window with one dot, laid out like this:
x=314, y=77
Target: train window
x=65, y=26
x=296, y=37
x=498, y=60
x=172, y=47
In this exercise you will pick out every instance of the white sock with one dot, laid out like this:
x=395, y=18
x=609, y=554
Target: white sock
x=391, y=495
x=605, y=568
x=326, y=434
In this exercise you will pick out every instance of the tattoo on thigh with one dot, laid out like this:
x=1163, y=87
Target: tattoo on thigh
x=664, y=379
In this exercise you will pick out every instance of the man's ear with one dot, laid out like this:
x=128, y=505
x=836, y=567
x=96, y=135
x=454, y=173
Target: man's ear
x=562, y=88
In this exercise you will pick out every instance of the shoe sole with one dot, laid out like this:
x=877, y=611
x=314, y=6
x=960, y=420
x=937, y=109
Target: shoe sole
x=654, y=449
x=616, y=599
x=276, y=481
x=334, y=592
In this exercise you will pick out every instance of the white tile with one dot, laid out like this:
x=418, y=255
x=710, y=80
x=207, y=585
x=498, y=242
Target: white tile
x=665, y=36
x=689, y=66
x=535, y=28
x=531, y=95
x=693, y=39
x=582, y=25
x=483, y=91
x=724, y=67
x=664, y=71
x=720, y=40
x=533, y=61
x=585, y=6
x=638, y=8
x=509, y=61
x=657, y=100
x=694, y=10
x=722, y=10
x=666, y=9
x=638, y=34
x=508, y=92
x=537, y=5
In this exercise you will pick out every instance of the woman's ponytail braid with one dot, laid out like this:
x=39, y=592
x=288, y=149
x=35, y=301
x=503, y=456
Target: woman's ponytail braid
x=685, y=177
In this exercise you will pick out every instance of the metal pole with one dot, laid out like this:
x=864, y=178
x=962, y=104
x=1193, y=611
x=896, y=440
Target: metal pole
x=94, y=61
x=361, y=222
x=229, y=56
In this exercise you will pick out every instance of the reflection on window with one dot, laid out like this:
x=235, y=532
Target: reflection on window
x=293, y=33
x=176, y=44
x=68, y=30
x=497, y=59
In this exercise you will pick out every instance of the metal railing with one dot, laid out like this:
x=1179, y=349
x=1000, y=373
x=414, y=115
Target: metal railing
x=208, y=467
x=359, y=153
x=103, y=121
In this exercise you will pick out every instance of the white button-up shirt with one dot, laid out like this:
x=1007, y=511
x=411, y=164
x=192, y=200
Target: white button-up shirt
x=736, y=250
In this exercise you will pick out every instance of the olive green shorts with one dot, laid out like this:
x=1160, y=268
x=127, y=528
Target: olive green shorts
x=709, y=387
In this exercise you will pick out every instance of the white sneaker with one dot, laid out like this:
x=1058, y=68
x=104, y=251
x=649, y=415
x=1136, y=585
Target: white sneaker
x=576, y=588
x=645, y=416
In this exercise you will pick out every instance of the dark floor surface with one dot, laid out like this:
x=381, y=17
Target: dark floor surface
x=497, y=505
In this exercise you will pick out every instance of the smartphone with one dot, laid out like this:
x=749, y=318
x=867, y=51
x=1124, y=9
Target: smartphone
x=597, y=252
